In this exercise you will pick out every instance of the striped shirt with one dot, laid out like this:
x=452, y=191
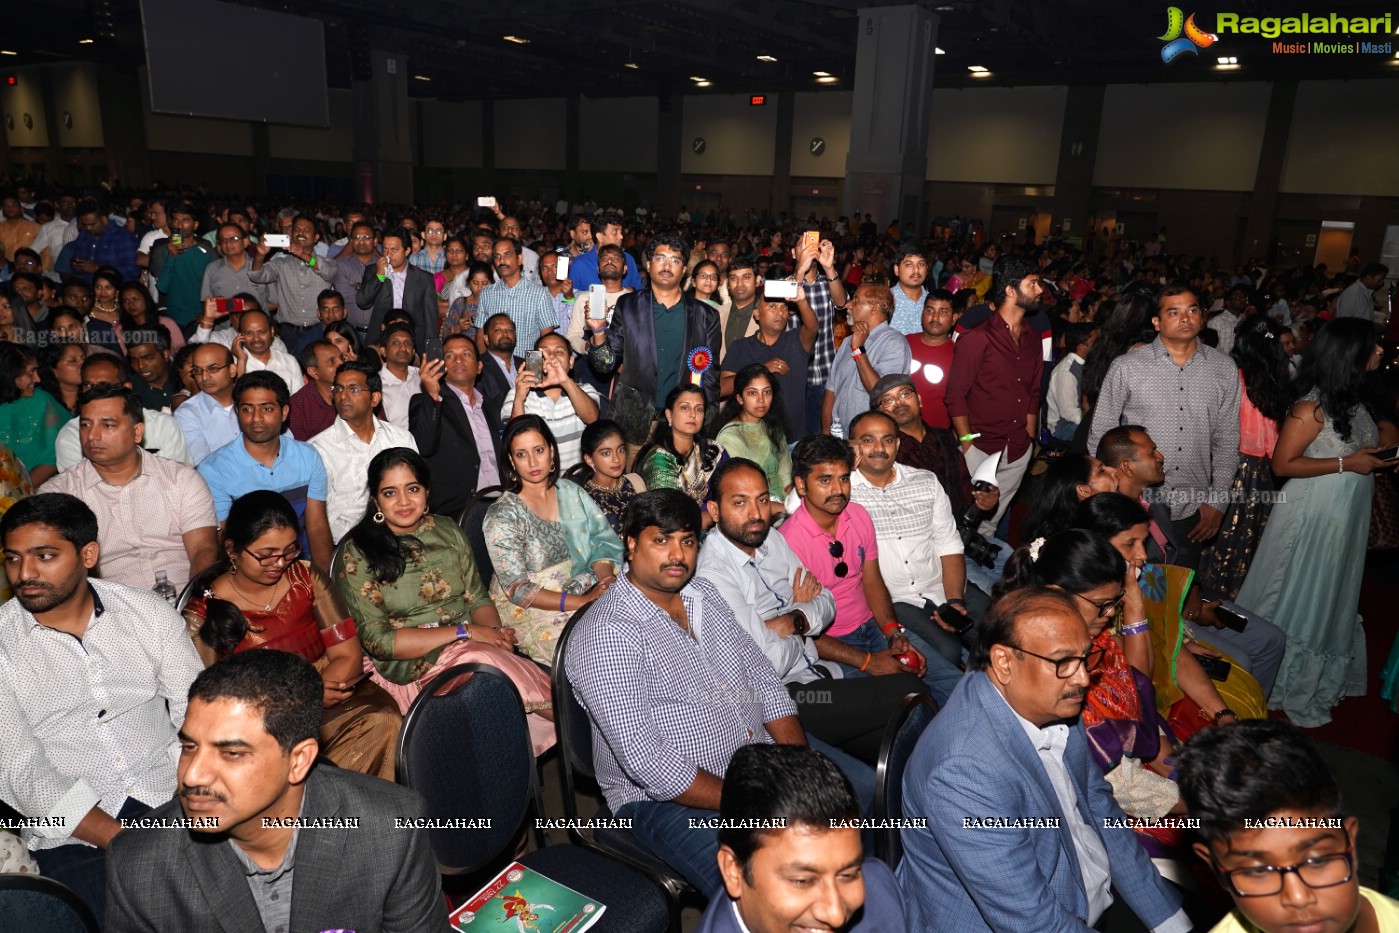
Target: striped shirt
x=915, y=528
x=528, y=305
x=561, y=418
x=818, y=295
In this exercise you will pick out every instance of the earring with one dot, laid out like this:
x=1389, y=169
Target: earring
x=232, y=568
x=378, y=518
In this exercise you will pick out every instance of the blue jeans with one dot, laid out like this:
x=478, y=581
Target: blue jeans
x=815, y=396
x=693, y=852
x=1258, y=648
x=83, y=868
x=986, y=578
x=942, y=676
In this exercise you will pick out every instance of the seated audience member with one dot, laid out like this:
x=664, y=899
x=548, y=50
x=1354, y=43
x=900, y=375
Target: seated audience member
x=1064, y=399
x=344, y=339
x=1058, y=491
x=921, y=559
x=163, y=434
x=1008, y=746
x=603, y=472
x=783, y=608
x=247, y=766
x=255, y=350
x=157, y=381
x=752, y=429
x=312, y=408
x=1189, y=698
x=408, y=576
x=60, y=373
x=809, y=874
x=1129, y=740
x=347, y=446
x=222, y=327
x=83, y=750
x=679, y=456
x=496, y=344
x=785, y=353
x=872, y=350
x=566, y=406
x=269, y=597
x=673, y=688
x=154, y=514
x=330, y=307
x=456, y=426
x=14, y=486
x=551, y=546
x=261, y=458
x=30, y=418
x=207, y=421
x=1298, y=873
x=401, y=379
x=141, y=322
x=836, y=541
x=1259, y=647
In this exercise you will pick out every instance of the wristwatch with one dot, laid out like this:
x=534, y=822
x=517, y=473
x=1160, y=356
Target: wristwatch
x=462, y=631
x=799, y=622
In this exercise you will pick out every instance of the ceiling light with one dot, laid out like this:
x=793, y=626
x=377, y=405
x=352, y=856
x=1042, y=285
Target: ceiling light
x=703, y=83
x=697, y=78
x=7, y=52
x=976, y=69
x=421, y=78
x=518, y=40
x=631, y=65
x=937, y=51
x=983, y=73
x=828, y=79
x=84, y=42
x=822, y=74
x=766, y=58
x=1228, y=60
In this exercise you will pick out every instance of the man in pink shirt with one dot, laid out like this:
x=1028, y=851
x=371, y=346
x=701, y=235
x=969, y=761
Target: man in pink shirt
x=834, y=539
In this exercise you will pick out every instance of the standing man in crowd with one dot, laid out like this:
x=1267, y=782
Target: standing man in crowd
x=360, y=255
x=932, y=351
x=182, y=274
x=825, y=292
x=737, y=318
x=393, y=283
x=1358, y=300
x=102, y=243
x=584, y=270
x=527, y=305
x=231, y=274
x=873, y=349
x=297, y=276
x=910, y=271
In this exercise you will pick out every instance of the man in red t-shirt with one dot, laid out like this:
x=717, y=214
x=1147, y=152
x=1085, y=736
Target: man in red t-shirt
x=932, y=355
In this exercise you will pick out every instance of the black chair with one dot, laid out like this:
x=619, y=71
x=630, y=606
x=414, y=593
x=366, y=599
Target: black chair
x=900, y=736
x=41, y=905
x=200, y=582
x=338, y=557
x=575, y=748
x=465, y=747
x=472, y=518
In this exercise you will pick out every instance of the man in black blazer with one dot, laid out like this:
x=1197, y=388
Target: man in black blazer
x=321, y=847
x=381, y=290
x=653, y=349
x=462, y=455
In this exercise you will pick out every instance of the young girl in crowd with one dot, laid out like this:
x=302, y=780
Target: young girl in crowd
x=704, y=283
x=678, y=457
x=602, y=474
x=752, y=428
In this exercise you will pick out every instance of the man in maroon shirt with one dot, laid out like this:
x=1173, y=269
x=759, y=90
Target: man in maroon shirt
x=932, y=355
x=311, y=409
x=993, y=395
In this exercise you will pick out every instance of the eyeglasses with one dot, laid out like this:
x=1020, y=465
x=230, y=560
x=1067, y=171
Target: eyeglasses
x=1064, y=668
x=903, y=394
x=230, y=239
x=272, y=560
x=706, y=278
x=349, y=390
x=362, y=236
x=1325, y=871
x=213, y=369
x=668, y=260
x=837, y=550
x=1105, y=609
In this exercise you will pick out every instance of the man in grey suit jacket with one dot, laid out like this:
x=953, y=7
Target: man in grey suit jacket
x=276, y=842
x=392, y=282
x=1022, y=830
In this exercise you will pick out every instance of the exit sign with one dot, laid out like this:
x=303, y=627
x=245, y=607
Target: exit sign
x=758, y=100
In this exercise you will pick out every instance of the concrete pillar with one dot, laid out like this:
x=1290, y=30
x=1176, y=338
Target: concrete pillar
x=1263, y=202
x=1078, y=153
x=123, y=125
x=884, y=172
x=781, y=197
x=573, y=185
x=668, y=131
x=383, y=150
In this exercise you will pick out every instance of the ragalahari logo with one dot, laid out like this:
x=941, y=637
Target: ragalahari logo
x=1177, y=44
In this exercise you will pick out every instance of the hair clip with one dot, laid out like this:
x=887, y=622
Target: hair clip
x=1035, y=546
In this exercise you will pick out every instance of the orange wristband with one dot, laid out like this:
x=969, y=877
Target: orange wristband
x=868, y=657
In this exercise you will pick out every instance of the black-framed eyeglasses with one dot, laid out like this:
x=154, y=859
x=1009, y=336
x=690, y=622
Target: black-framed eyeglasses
x=1064, y=668
x=271, y=560
x=1107, y=608
x=837, y=550
x=1324, y=871
x=213, y=369
x=349, y=390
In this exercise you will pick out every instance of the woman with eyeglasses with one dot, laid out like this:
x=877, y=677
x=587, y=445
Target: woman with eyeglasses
x=268, y=597
x=1128, y=737
x=704, y=283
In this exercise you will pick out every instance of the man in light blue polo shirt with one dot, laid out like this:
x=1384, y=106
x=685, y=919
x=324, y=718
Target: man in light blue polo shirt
x=261, y=458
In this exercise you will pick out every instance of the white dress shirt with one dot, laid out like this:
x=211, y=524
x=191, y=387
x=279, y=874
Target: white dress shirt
x=85, y=723
x=1062, y=400
x=283, y=364
x=758, y=588
x=915, y=528
x=346, y=460
x=163, y=436
x=397, y=394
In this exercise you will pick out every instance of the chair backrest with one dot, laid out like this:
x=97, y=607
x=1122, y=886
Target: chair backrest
x=575, y=730
x=465, y=747
x=472, y=518
x=200, y=582
x=900, y=736
x=42, y=905
x=338, y=557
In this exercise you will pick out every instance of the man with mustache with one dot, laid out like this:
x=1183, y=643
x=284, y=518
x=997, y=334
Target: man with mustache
x=277, y=841
x=93, y=691
x=1022, y=829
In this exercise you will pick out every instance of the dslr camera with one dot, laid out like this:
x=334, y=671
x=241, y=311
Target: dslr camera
x=974, y=544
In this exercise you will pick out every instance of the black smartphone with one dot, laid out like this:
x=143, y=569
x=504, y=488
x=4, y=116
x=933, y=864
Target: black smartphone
x=955, y=617
x=434, y=348
x=1230, y=618
x=1388, y=453
x=1217, y=668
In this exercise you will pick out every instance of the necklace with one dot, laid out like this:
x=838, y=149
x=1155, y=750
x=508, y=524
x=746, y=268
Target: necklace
x=233, y=582
x=98, y=309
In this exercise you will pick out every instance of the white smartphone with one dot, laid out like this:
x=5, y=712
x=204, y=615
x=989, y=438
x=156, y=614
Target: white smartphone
x=485, y=202
x=784, y=289
x=597, y=302
x=562, y=272
x=276, y=240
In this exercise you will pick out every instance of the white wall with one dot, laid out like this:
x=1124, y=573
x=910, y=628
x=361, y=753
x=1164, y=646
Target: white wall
x=1204, y=136
x=826, y=115
x=531, y=134
x=739, y=138
x=617, y=134
x=993, y=134
x=1344, y=138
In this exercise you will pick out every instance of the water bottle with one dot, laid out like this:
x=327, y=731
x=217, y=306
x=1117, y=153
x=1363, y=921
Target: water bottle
x=164, y=588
